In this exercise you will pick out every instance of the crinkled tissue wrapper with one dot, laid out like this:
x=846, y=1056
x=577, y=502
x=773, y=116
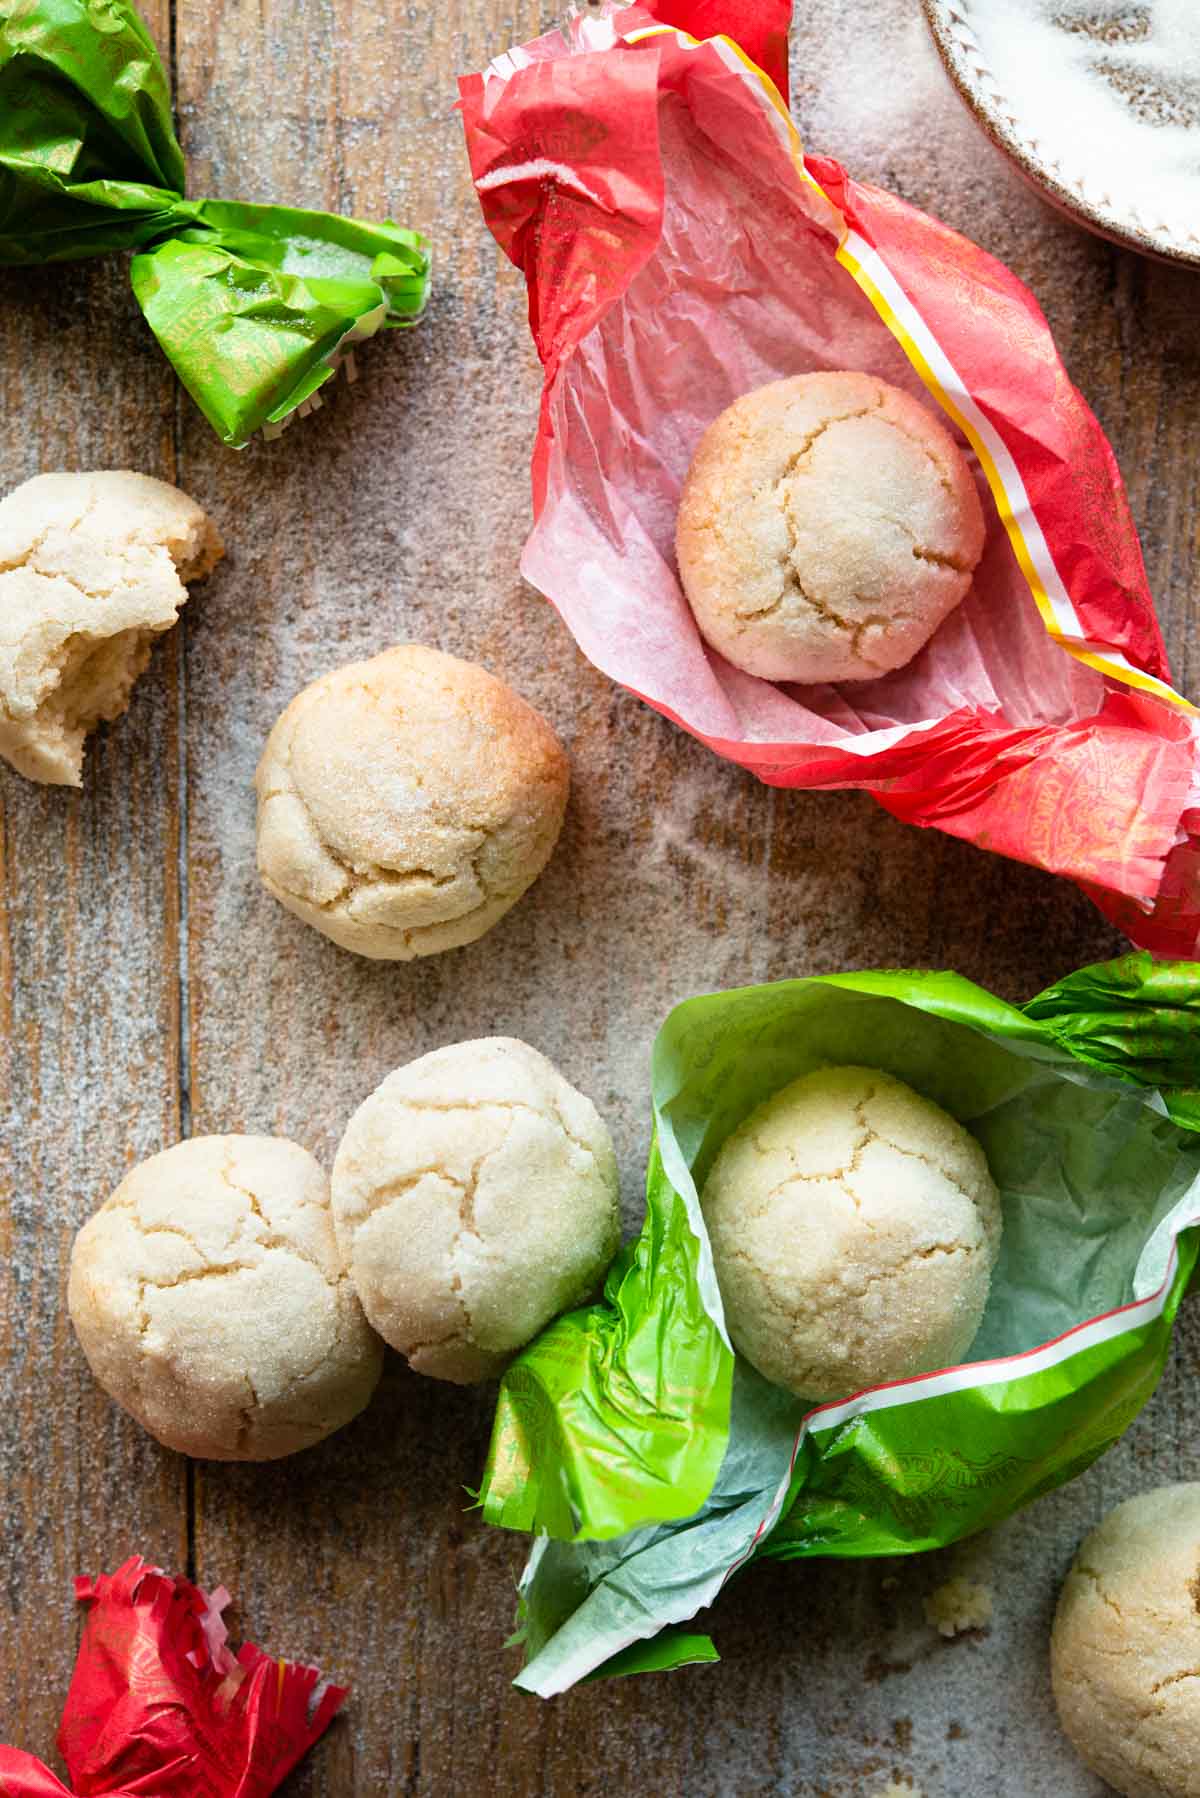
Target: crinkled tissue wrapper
x=653, y=1464
x=679, y=249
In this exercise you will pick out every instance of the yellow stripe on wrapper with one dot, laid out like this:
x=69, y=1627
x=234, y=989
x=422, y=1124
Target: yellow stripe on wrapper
x=1075, y=641
x=1061, y=621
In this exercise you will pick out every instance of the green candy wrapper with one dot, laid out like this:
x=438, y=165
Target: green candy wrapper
x=254, y=305
x=652, y=1463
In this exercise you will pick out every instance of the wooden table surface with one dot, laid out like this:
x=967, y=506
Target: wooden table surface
x=148, y=987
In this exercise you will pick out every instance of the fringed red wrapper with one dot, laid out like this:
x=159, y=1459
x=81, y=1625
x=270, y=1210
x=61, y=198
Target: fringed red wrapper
x=160, y=1707
x=679, y=249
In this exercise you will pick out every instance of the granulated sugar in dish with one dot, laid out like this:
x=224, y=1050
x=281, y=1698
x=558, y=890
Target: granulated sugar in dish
x=1106, y=95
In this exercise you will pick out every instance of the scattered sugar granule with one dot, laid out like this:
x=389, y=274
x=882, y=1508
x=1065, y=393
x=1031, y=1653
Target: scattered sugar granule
x=959, y=1605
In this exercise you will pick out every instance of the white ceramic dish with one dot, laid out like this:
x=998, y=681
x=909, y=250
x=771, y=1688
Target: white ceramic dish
x=1041, y=80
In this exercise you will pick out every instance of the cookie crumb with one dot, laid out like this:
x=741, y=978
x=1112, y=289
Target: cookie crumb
x=959, y=1605
x=899, y=1788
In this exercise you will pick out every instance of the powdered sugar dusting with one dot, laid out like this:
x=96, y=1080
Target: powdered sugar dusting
x=873, y=106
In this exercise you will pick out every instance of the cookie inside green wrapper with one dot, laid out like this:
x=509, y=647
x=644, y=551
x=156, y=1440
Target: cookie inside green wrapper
x=652, y=1463
x=254, y=305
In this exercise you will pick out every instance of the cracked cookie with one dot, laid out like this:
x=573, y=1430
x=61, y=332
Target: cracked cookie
x=1125, y=1650
x=854, y=1227
x=211, y=1301
x=92, y=568
x=406, y=803
x=475, y=1197
x=827, y=526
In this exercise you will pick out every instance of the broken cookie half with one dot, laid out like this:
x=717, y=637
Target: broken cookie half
x=92, y=568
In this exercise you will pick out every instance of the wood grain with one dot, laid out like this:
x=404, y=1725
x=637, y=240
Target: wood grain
x=397, y=512
x=89, y=1012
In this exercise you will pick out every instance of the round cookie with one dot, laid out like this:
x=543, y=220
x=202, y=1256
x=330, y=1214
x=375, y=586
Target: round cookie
x=827, y=526
x=854, y=1227
x=475, y=1197
x=406, y=803
x=1125, y=1650
x=92, y=569
x=211, y=1301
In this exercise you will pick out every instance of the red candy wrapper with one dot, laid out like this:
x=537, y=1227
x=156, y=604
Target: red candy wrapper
x=160, y=1707
x=642, y=170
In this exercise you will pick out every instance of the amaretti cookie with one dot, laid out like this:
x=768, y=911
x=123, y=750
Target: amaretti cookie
x=854, y=1227
x=475, y=1197
x=406, y=803
x=1125, y=1651
x=827, y=526
x=92, y=568
x=211, y=1301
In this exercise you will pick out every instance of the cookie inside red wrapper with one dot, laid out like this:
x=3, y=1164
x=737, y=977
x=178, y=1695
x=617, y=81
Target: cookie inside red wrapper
x=160, y=1706
x=682, y=251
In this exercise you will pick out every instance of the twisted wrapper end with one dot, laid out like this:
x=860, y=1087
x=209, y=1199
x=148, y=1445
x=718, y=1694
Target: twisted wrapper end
x=159, y=1702
x=252, y=304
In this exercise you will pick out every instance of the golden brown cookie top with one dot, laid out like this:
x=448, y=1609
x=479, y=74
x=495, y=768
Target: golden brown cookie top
x=1125, y=1651
x=828, y=524
x=406, y=802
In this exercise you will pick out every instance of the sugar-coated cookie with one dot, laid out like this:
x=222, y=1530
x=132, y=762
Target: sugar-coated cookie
x=211, y=1301
x=854, y=1226
x=405, y=803
x=827, y=526
x=475, y=1197
x=1125, y=1651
